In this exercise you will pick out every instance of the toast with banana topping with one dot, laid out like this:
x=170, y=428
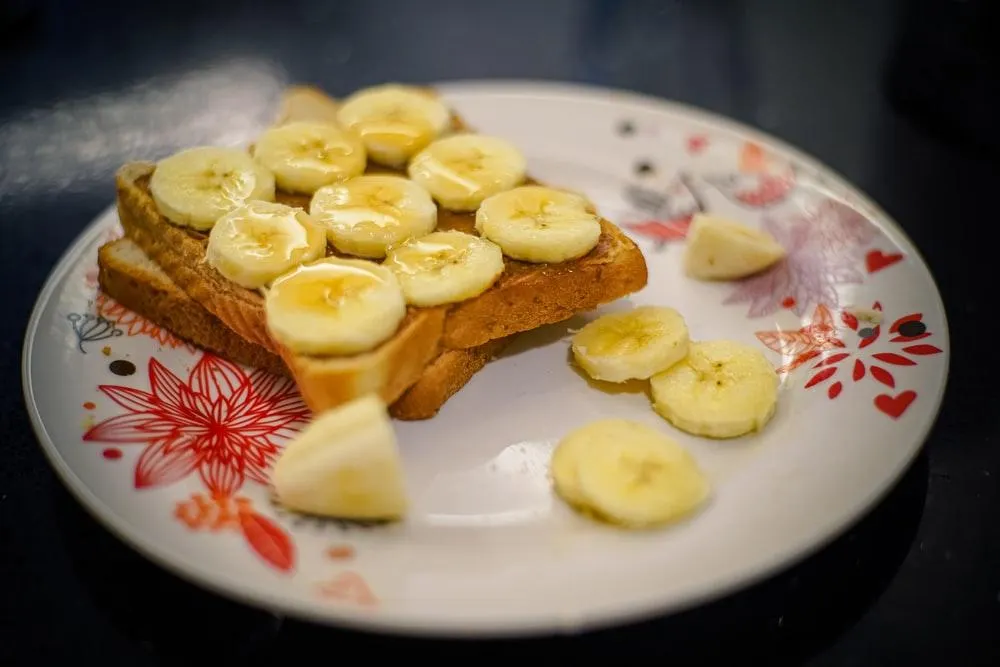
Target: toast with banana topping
x=363, y=250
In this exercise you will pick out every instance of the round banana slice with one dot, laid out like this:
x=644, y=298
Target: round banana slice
x=637, y=477
x=394, y=121
x=462, y=170
x=258, y=242
x=304, y=156
x=334, y=307
x=365, y=215
x=445, y=267
x=197, y=186
x=722, y=389
x=532, y=223
x=633, y=345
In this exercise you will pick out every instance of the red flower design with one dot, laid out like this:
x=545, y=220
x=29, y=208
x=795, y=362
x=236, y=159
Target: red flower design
x=135, y=324
x=812, y=340
x=222, y=422
x=799, y=346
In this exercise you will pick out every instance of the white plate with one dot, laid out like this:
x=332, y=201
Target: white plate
x=488, y=550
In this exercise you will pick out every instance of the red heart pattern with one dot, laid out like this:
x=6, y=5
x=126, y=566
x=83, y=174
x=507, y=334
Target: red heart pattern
x=895, y=406
x=876, y=260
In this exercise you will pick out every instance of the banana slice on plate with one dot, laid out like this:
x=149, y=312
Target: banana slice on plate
x=365, y=215
x=462, y=170
x=345, y=464
x=258, y=242
x=394, y=121
x=721, y=249
x=445, y=267
x=197, y=186
x=722, y=389
x=633, y=345
x=533, y=223
x=627, y=473
x=306, y=155
x=334, y=307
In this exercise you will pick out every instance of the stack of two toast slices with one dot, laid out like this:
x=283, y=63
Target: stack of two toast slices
x=159, y=270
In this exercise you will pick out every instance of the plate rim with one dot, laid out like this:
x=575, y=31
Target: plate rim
x=408, y=625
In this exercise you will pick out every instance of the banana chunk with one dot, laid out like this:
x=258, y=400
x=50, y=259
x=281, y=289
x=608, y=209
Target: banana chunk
x=258, y=242
x=394, y=121
x=633, y=345
x=720, y=249
x=462, y=170
x=334, y=306
x=445, y=267
x=365, y=215
x=197, y=186
x=345, y=464
x=628, y=474
x=722, y=389
x=532, y=223
x=306, y=155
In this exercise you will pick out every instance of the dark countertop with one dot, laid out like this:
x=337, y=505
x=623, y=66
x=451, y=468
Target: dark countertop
x=85, y=85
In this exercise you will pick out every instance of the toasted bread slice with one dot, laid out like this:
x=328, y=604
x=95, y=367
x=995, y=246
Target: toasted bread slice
x=129, y=277
x=525, y=297
x=132, y=279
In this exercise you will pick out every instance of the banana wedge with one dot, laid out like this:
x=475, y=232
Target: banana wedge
x=532, y=223
x=628, y=474
x=345, y=464
x=462, y=170
x=306, y=155
x=721, y=249
x=334, y=306
x=365, y=215
x=258, y=242
x=445, y=267
x=197, y=186
x=633, y=345
x=722, y=389
x=394, y=121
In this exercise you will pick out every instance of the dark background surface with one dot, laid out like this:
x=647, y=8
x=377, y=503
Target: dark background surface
x=898, y=101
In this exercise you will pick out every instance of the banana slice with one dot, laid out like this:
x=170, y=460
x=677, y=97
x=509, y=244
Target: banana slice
x=306, y=155
x=463, y=170
x=722, y=389
x=334, y=307
x=367, y=214
x=720, y=249
x=394, y=121
x=634, y=345
x=345, y=464
x=627, y=473
x=532, y=223
x=197, y=186
x=445, y=267
x=258, y=242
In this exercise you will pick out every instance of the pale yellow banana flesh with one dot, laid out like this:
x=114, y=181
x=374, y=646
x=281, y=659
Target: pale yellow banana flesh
x=627, y=473
x=256, y=243
x=306, y=155
x=394, y=121
x=632, y=345
x=722, y=389
x=335, y=307
x=197, y=186
x=367, y=214
x=461, y=171
x=445, y=267
x=345, y=464
x=532, y=223
x=721, y=249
